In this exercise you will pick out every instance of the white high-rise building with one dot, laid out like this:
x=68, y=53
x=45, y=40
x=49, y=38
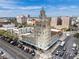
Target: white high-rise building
x=21, y=19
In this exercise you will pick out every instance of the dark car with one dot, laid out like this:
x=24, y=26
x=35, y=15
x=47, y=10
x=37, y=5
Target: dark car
x=57, y=52
x=9, y=40
x=33, y=53
x=64, y=49
x=13, y=42
x=27, y=50
x=1, y=52
x=61, y=54
x=76, y=52
x=22, y=47
x=2, y=37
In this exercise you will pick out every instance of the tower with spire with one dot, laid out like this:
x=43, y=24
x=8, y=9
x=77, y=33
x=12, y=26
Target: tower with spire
x=42, y=13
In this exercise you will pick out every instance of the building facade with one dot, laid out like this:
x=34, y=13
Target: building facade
x=21, y=19
x=41, y=36
x=60, y=22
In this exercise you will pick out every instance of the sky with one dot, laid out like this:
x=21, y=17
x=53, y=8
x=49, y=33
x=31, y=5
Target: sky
x=13, y=8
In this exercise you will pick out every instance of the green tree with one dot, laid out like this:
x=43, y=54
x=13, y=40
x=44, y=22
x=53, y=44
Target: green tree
x=2, y=32
x=8, y=34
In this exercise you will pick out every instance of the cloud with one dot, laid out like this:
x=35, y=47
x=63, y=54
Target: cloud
x=55, y=7
x=11, y=5
x=14, y=5
x=21, y=8
x=28, y=7
x=6, y=3
x=68, y=7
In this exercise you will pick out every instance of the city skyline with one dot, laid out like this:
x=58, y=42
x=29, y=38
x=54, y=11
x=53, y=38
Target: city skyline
x=10, y=8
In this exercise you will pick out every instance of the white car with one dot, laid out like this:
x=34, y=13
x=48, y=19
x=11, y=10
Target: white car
x=74, y=45
x=73, y=48
x=57, y=52
x=68, y=34
x=71, y=54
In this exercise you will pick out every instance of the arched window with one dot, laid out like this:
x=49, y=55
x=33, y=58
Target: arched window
x=59, y=21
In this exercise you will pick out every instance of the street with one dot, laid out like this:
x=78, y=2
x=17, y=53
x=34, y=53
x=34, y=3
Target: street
x=14, y=51
x=69, y=53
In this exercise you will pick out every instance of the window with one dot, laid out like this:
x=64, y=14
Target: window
x=59, y=21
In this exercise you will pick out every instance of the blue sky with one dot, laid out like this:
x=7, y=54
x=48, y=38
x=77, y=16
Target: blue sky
x=32, y=7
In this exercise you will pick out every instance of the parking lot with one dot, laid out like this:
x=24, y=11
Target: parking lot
x=19, y=46
x=5, y=54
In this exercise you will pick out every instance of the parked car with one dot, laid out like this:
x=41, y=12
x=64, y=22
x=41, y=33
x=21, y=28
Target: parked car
x=25, y=48
x=3, y=37
x=61, y=53
x=1, y=52
x=64, y=49
x=33, y=54
x=13, y=42
x=57, y=52
x=30, y=50
x=76, y=52
x=73, y=48
x=9, y=40
x=22, y=47
x=19, y=45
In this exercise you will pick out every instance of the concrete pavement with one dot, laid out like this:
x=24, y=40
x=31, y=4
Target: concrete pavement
x=6, y=54
x=14, y=51
x=69, y=53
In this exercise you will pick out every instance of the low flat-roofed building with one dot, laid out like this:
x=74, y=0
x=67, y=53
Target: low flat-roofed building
x=8, y=25
x=4, y=21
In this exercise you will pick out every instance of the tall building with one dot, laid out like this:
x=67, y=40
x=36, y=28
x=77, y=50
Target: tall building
x=41, y=36
x=42, y=13
x=21, y=19
x=60, y=22
x=42, y=33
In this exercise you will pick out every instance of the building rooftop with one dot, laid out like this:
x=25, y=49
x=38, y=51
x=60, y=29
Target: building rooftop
x=55, y=30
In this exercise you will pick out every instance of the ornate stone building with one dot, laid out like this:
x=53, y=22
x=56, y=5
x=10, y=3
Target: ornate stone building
x=41, y=36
